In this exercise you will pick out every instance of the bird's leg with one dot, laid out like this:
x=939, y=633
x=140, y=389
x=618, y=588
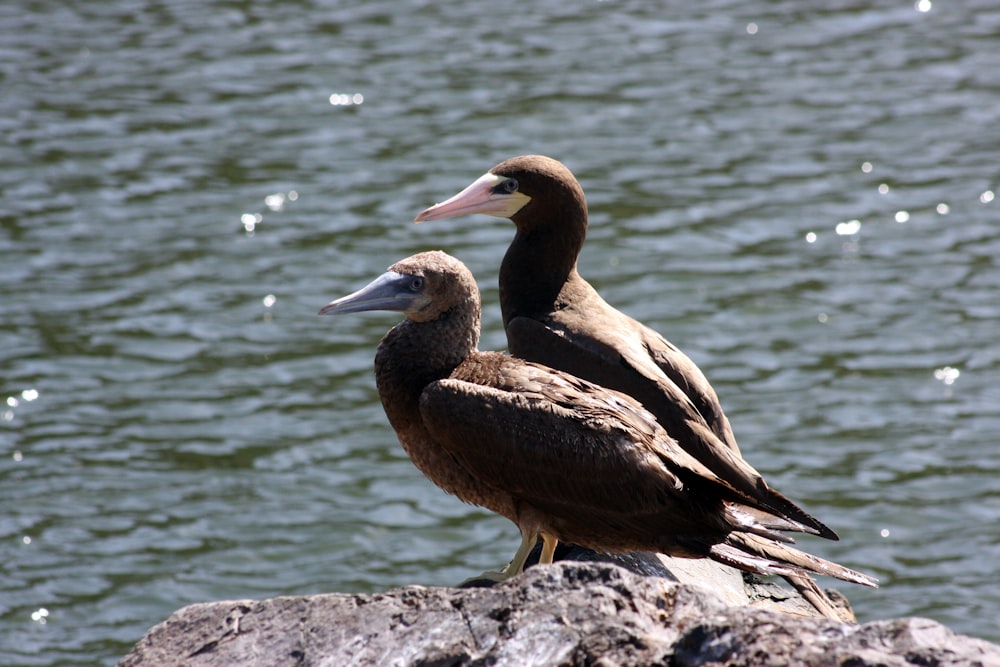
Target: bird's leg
x=548, y=549
x=515, y=566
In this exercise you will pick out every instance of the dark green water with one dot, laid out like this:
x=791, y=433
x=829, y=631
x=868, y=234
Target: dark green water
x=177, y=424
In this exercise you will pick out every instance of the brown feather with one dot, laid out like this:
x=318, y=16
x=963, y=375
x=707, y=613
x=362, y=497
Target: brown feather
x=556, y=454
x=539, y=281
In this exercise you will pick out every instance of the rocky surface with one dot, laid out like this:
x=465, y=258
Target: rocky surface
x=734, y=587
x=563, y=614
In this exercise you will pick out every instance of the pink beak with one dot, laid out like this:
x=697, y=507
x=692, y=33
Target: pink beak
x=477, y=198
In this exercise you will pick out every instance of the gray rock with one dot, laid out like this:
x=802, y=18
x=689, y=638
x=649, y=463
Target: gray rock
x=562, y=614
x=733, y=586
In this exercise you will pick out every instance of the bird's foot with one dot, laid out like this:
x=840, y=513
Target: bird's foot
x=487, y=579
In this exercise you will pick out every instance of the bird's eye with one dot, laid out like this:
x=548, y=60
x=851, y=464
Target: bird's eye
x=510, y=186
x=416, y=283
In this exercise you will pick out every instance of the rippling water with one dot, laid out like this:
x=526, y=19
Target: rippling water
x=801, y=198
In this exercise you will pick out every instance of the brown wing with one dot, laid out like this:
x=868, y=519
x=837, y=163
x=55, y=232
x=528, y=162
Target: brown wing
x=611, y=357
x=554, y=441
x=677, y=366
x=596, y=326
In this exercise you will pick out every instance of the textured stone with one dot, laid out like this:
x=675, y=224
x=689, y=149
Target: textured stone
x=563, y=614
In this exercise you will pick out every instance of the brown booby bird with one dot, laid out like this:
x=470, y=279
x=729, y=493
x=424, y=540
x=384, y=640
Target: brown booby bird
x=555, y=317
x=561, y=457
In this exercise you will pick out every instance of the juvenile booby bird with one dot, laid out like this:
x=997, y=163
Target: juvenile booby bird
x=555, y=317
x=562, y=458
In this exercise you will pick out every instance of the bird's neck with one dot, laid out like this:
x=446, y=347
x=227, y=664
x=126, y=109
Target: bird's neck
x=538, y=264
x=414, y=354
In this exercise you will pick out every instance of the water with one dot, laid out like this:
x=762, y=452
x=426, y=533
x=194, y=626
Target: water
x=177, y=424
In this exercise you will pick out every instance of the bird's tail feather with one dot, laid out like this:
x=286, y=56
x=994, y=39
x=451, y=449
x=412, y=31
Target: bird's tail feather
x=752, y=520
x=764, y=556
x=781, y=505
x=820, y=601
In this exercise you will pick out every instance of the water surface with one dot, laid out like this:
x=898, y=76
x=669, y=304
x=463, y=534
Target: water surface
x=801, y=198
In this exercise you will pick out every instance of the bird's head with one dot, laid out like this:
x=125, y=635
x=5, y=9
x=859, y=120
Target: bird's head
x=423, y=287
x=529, y=190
